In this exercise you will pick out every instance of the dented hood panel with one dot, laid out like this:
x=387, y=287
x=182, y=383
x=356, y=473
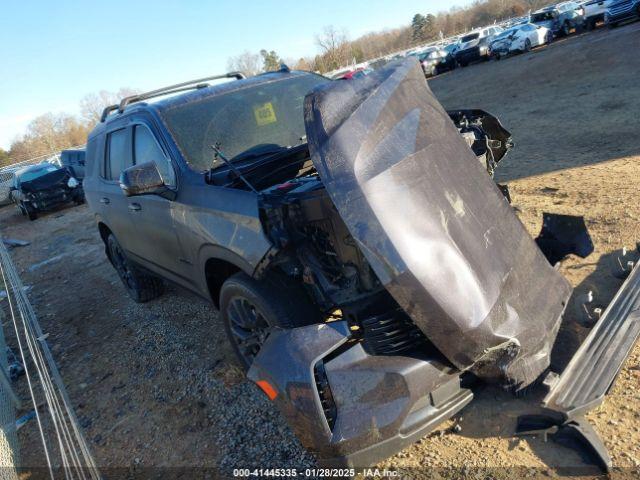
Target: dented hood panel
x=433, y=225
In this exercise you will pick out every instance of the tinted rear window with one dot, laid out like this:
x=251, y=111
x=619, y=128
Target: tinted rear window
x=469, y=38
x=117, y=155
x=542, y=17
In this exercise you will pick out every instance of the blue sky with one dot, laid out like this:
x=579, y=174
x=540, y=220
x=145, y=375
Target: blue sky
x=53, y=53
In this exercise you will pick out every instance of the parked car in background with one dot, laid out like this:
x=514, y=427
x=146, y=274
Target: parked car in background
x=439, y=60
x=521, y=38
x=475, y=45
x=594, y=11
x=74, y=161
x=41, y=187
x=358, y=73
x=621, y=10
x=560, y=18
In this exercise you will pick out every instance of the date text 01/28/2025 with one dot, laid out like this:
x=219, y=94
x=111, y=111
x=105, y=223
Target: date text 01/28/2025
x=313, y=472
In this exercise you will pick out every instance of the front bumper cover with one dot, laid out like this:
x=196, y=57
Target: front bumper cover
x=380, y=403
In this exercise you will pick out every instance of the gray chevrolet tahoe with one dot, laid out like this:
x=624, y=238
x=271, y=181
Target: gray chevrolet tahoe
x=365, y=265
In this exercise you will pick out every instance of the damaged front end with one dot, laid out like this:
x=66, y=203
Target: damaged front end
x=52, y=189
x=434, y=227
x=422, y=271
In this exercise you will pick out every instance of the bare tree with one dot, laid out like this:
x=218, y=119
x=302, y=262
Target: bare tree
x=92, y=104
x=247, y=63
x=335, y=48
x=47, y=134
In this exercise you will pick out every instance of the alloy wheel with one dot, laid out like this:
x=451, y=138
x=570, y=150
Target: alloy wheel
x=248, y=327
x=122, y=265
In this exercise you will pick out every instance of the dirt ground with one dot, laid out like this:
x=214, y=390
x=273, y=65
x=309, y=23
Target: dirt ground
x=157, y=386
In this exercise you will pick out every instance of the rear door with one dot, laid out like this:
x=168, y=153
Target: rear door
x=113, y=205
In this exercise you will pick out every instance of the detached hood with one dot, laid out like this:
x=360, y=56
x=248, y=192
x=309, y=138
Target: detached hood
x=434, y=227
x=57, y=178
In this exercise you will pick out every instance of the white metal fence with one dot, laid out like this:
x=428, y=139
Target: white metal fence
x=9, y=450
x=66, y=453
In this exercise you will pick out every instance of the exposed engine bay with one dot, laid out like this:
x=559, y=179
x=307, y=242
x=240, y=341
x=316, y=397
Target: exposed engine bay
x=316, y=247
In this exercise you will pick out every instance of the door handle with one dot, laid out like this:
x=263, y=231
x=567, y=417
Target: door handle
x=134, y=207
x=105, y=201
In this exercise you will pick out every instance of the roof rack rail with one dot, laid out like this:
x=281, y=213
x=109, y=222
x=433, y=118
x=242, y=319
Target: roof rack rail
x=179, y=87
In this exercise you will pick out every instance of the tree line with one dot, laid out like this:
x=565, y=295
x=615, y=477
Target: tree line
x=337, y=50
x=52, y=132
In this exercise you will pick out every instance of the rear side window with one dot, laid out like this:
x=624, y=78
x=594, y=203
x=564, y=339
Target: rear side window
x=117, y=158
x=146, y=149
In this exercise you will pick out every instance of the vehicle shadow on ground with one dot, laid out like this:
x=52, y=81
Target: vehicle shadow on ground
x=494, y=412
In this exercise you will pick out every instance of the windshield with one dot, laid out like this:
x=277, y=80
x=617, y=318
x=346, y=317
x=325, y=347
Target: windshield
x=450, y=48
x=469, y=38
x=428, y=54
x=243, y=123
x=506, y=33
x=33, y=174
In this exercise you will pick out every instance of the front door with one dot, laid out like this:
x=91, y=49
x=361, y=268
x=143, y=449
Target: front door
x=154, y=243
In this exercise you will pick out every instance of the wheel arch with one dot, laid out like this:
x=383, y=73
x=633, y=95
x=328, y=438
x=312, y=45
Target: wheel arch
x=219, y=264
x=104, y=231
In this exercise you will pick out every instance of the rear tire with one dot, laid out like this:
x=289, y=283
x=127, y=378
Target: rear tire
x=252, y=309
x=140, y=286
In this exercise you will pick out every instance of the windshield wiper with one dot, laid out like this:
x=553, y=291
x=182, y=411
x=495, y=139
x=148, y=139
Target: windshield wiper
x=259, y=151
x=232, y=167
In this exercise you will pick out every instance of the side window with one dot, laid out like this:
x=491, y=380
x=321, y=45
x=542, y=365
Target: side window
x=146, y=149
x=117, y=158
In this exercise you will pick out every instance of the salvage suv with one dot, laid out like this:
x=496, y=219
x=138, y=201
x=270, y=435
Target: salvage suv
x=561, y=18
x=474, y=46
x=365, y=265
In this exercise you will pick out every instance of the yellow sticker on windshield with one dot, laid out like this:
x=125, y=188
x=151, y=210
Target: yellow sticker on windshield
x=265, y=114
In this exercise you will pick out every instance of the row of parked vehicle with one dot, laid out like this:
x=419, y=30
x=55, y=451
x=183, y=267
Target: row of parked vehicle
x=523, y=34
x=43, y=186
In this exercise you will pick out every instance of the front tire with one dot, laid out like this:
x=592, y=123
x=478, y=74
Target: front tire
x=29, y=211
x=140, y=286
x=251, y=310
x=527, y=45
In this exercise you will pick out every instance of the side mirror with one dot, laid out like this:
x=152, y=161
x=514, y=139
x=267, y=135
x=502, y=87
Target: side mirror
x=144, y=179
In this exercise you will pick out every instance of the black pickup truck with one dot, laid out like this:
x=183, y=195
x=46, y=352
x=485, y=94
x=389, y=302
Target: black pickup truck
x=365, y=264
